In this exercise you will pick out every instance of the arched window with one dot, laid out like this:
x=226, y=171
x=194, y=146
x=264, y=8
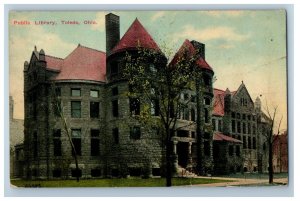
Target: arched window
x=206, y=101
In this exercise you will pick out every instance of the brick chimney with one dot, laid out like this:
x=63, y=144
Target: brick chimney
x=200, y=47
x=112, y=28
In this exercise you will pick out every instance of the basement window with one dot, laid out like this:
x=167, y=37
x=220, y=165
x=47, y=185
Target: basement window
x=75, y=172
x=96, y=172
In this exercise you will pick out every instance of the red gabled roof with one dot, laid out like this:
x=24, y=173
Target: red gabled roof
x=188, y=50
x=136, y=36
x=221, y=137
x=53, y=63
x=83, y=64
x=218, y=103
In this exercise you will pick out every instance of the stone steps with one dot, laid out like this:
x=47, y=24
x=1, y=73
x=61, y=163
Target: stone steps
x=182, y=172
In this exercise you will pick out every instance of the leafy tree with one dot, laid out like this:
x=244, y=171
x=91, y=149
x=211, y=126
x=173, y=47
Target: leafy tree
x=160, y=86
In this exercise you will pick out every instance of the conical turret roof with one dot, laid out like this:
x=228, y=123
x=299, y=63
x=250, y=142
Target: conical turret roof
x=136, y=36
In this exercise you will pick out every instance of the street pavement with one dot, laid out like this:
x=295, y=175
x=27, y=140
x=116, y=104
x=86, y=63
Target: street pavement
x=243, y=182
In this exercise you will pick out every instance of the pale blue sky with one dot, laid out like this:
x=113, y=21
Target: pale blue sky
x=240, y=45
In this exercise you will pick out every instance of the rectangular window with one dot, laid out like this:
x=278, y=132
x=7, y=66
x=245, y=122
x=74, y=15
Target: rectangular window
x=254, y=130
x=186, y=114
x=254, y=143
x=214, y=124
x=94, y=93
x=75, y=92
x=115, y=91
x=244, y=128
x=237, y=150
x=94, y=109
x=57, y=142
x=233, y=126
x=57, y=147
x=95, y=142
x=75, y=109
x=239, y=127
x=206, y=115
x=57, y=108
x=206, y=148
x=244, y=142
x=135, y=133
x=76, y=140
x=154, y=107
x=115, y=133
x=220, y=125
x=115, y=108
x=249, y=142
x=249, y=128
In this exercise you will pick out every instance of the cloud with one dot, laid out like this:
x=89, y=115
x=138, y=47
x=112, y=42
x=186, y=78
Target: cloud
x=100, y=20
x=210, y=33
x=157, y=15
x=21, y=45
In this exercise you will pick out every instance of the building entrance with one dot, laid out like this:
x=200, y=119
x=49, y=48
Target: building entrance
x=183, y=153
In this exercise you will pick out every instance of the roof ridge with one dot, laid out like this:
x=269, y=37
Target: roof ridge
x=54, y=57
x=219, y=89
x=91, y=48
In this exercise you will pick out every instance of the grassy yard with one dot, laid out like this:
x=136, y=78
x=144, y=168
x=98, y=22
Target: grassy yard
x=130, y=182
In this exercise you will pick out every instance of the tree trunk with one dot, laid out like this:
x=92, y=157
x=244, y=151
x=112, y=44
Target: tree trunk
x=73, y=148
x=271, y=161
x=168, y=158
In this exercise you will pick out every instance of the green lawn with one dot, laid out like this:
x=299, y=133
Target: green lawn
x=130, y=182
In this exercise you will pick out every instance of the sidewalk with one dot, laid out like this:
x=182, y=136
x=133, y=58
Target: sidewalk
x=241, y=181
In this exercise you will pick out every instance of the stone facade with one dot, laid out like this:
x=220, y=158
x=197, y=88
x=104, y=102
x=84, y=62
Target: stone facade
x=108, y=140
x=241, y=118
x=16, y=138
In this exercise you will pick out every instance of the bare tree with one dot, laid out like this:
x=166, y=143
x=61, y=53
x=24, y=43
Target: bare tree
x=59, y=110
x=270, y=139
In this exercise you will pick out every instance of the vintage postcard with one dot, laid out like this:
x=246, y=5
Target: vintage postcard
x=148, y=98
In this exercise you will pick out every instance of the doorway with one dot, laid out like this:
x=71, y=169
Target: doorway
x=183, y=153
